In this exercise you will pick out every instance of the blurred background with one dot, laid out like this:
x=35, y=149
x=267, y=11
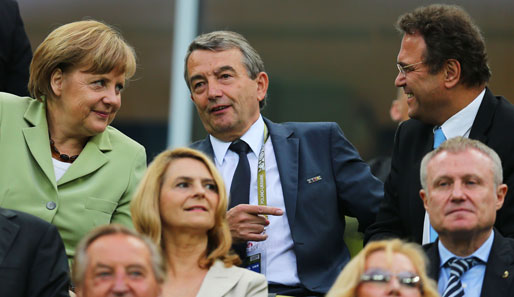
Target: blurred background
x=328, y=60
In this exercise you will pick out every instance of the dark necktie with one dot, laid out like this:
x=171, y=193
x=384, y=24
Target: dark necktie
x=457, y=268
x=240, y=188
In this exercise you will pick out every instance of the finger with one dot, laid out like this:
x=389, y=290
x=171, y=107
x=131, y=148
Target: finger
x=255, y=237
x=260, y=209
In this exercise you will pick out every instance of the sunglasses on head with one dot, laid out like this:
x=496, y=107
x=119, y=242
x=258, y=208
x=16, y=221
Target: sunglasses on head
x=405, y=278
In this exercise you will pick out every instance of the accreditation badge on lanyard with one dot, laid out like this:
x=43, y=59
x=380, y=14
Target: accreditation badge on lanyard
x=256, y=250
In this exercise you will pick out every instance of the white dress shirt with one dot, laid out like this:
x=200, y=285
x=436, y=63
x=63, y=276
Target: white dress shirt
x=280, y=257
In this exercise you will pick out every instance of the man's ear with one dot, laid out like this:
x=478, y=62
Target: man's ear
x=501, y=191
x=56, y=79
x=451, y=71
x=424, y=197
x=262, y=85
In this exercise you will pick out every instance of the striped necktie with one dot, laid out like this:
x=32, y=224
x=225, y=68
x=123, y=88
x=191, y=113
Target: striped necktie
x=458, y=267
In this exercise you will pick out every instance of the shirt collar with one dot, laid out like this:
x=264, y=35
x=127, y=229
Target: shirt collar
x=253, y=137
x=460, y=123
x=482, y=253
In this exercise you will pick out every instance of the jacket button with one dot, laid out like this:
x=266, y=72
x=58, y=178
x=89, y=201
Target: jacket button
x=51, y=205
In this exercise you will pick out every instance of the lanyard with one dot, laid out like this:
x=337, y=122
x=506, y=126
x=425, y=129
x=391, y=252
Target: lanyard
x=261, y=171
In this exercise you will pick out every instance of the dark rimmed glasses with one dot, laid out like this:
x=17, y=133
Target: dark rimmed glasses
x=379, y=276
x=407, y=68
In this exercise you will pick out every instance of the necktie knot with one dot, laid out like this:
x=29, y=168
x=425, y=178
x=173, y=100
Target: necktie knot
x=240, y=147
x=460, y=265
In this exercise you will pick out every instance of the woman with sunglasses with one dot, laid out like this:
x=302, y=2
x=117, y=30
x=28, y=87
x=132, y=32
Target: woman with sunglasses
x=385, y=268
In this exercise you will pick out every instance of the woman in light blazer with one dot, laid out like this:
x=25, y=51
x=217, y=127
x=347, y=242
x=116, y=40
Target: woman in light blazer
x=181, y=205
x=59, y=158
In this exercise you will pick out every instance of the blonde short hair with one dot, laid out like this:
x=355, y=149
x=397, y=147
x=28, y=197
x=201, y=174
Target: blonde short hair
x=347, y=282
x=146, y=214
x=79, y=44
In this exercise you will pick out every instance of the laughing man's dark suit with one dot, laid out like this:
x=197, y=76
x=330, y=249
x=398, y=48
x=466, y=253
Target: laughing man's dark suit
x=33, y=262
x=316, y=210
x=499, y=272
x=402, y=213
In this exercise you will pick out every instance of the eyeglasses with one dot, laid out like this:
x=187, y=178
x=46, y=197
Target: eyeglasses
x=407, y=68
x=405, y=278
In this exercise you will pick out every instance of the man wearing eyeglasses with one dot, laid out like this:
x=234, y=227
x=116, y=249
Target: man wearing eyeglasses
x=462, y=190
x=443, y=70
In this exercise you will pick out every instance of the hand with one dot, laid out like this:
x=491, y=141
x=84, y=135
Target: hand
x=247, y=222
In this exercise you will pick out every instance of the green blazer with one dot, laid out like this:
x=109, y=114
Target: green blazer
x=95, y=190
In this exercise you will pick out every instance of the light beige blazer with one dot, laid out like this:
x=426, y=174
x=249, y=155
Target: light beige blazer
x=95, y=190
x=232, y=282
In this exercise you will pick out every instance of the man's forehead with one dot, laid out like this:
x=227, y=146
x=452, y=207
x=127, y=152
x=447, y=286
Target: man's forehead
x=468, y=156
x=118, y=248
x=211, y=60
x=412, y=48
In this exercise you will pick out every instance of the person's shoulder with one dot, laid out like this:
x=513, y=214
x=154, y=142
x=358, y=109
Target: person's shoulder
x=242, y=272
x=11, y=100
x=505, y=242
x=121, y=140
x=26, y=221
x=305, y=128
x=251, y=275
x=308, y=125
x=505, y=108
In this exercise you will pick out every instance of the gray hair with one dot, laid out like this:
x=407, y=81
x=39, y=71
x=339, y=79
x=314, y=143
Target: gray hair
x=225, y=40
x=461, y=144
x=81, y=258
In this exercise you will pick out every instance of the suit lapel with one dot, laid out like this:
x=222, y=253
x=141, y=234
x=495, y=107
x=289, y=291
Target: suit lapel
x=204, y=146
x=499, y=271
x=90, y=159
x=37, y=139
x=432, y=252
x=8, y=232
x=285, y=146
x=484, y=117
x=219, y=280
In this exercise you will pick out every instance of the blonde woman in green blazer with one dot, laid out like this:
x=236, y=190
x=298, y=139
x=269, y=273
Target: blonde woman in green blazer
x=60, y=159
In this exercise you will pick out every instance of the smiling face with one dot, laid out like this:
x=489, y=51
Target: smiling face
x=119, y=265
x=399, y=264
x=83, y=104
x=424, y=90
x=189, y=196
x=226, y=98
x=461, y=196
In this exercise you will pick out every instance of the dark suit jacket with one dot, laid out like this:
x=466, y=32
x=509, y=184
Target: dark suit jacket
x=501, y=260
x=402, y=213
x=15, y=51
x=316, y=211
x=33, y=262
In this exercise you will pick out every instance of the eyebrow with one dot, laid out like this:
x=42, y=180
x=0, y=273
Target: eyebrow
x=187, y=178
x=216, y=72
x=224, y=68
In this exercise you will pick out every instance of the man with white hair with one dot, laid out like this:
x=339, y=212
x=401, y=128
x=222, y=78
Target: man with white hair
x=462, y=191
